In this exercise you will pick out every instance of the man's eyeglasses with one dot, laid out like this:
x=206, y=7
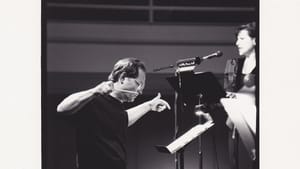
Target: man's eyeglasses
x=140, y=85
x=139, y=88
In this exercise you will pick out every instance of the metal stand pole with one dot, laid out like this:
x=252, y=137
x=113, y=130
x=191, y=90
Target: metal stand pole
x=179, y=156
x=198, y=108
x=200, y=151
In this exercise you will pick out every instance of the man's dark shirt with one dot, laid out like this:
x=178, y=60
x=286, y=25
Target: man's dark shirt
x=101, y=134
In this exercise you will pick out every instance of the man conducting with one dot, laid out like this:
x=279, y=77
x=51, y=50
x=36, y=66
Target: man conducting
x=102, y=121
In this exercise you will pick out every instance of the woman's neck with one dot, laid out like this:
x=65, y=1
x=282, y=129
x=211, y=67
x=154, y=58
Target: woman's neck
x=250, y=63
x=251, y=55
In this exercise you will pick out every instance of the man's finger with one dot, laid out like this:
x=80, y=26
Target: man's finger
x=110, y=83
x=161, y=108
x=158, y=96
x=165, y=103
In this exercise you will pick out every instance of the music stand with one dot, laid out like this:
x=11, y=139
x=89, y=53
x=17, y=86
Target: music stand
x=187, y=85
x=191, y=84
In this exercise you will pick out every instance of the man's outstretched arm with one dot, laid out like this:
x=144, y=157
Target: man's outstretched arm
x=156, y=104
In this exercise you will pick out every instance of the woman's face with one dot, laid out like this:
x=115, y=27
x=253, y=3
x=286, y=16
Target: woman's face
x=245, y=43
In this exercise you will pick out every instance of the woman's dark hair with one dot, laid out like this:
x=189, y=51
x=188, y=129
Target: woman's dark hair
x=250, y=27
x=129, y=67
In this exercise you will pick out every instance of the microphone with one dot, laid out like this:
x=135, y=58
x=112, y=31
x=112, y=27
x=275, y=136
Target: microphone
x=213, y=55
x=197, y=60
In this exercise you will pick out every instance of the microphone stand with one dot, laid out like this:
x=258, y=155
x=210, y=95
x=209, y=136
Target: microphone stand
x=163, y=68
x=198, y=108
x=179, y=156
x=178, y=109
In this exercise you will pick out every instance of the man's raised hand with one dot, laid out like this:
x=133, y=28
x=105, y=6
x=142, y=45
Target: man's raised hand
x=158, y=104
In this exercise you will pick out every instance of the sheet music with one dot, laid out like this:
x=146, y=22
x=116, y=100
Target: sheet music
x=188, y=136
x=243, y=104
x=243, y=115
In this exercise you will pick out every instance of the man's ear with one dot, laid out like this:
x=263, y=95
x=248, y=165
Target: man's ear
x=254, y=41
x=121, y=77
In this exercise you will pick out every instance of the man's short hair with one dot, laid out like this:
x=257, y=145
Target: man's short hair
x=127, y=66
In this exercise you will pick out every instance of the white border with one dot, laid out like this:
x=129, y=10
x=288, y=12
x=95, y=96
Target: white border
x=279, y=84
x=20, y=86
